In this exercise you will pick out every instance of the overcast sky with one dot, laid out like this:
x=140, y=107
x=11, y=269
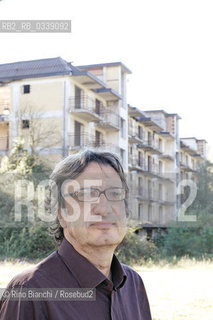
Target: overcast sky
x=167, y=44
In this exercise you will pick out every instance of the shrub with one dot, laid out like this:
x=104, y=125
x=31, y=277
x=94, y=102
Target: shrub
x=188, y=241
x=132, y=250
x=29, y=242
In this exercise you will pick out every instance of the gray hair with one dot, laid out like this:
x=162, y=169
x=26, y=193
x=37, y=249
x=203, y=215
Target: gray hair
x=70, y=168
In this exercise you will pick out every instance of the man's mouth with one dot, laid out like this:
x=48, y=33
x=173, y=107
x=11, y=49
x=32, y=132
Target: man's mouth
x=103, y=224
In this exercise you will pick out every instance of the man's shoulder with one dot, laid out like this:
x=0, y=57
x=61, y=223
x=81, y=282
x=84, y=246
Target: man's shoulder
x=34, y=276
x=131, y=274
x=128, y=269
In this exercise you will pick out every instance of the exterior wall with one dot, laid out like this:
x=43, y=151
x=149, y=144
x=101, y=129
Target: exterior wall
x=5, y=98
x=4, y=138
x=189, y=164
x=154, y=197
x=192, y=157
x=5, y=103
x=97, y=72
x=159, y=117
x=48, y=133
x=191, y=142
x=201, y=147
x=43, y=108
x=112, y=78
x=44, y=95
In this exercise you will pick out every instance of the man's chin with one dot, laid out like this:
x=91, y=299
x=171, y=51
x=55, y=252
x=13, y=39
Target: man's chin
x=108, y=239
x=105, y=240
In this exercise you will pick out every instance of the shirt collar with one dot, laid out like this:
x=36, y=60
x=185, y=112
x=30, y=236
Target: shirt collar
x=87, y=275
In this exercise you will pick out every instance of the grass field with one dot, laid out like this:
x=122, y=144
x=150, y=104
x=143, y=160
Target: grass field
x=176, y=292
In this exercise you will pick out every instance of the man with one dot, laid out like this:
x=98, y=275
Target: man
x=90, y=196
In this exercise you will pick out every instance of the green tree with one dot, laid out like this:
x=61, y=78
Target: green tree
x=21, y=239
x=203, y=204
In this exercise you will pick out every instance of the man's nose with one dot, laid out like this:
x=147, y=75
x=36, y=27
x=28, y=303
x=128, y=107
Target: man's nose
x=103, y=206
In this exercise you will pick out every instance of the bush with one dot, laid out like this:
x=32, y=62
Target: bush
x=21, y=239
x=29, y=242
x=132, y=250
x=188, y=241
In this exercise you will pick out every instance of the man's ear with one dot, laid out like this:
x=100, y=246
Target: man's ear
x=61, y=219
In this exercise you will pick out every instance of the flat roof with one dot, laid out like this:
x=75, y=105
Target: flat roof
x=193, y=138
x=166, y=113
x=109, y=64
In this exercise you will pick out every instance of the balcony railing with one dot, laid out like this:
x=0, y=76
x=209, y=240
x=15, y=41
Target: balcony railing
x=186, y=167
x=167, y=156
x=91, y=109
x=86, y=107
x=84, y=140
x=134, y=137
x=109, y=120
x=135, y=163
x=150, y=146
x=77, y=141
x=151, y=194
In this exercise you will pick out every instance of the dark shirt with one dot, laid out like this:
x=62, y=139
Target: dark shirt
x=123, y=298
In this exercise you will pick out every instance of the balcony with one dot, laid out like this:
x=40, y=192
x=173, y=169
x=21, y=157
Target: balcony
x=155, y=171
x=135, y=163
x=109, y=121
x=151, y=146
x=133, y=135
x=150, y=170
x=186, y=167
x=167, y=202
x=84, y=140
x=77, y=141
x=167, y=157
x=144, y=194
x=86, y=108
x=151, y=195
x=92, y=110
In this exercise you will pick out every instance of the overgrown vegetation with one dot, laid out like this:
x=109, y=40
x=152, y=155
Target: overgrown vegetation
x=132, y=250
x=191, y=241
x=21, y=238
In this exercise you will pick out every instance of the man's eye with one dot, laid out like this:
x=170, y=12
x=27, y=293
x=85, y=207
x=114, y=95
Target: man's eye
x=114, y=194
x=93, y=193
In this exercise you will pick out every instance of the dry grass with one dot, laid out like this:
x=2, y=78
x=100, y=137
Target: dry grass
x=176, y=292
x=182, y=291
x=8, y=269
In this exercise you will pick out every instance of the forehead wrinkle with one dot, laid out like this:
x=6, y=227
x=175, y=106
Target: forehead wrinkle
x=95, y=174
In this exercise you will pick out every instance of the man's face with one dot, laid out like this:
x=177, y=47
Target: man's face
x=100, y=223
